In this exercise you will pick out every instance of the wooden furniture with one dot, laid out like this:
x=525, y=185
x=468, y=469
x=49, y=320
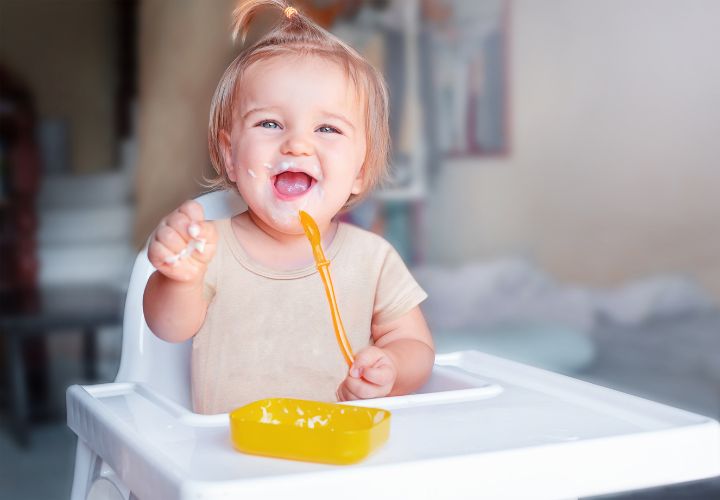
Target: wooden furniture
x=25, y=318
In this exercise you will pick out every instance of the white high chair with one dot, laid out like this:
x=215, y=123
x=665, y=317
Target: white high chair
x=161, y=366
x=481, y=427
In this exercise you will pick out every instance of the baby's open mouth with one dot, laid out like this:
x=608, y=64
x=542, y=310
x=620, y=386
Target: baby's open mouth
x=292, y=184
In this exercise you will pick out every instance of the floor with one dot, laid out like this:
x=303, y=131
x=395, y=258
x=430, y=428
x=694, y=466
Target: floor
x=51, y=454
x=50, y=459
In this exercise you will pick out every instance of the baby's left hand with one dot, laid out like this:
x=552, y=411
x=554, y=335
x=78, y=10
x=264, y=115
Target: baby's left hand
x=372, y=375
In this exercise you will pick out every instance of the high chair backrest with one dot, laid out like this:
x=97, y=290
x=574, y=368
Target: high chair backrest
x=162, y=365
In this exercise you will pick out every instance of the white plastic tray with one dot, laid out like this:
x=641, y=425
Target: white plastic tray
x=487, y=428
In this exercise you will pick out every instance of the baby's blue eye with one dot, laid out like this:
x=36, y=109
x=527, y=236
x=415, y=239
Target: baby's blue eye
x=328, y=129
x=268, y=124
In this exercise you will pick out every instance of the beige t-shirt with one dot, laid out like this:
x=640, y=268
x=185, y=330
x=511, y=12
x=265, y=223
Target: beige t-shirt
x=269, y=333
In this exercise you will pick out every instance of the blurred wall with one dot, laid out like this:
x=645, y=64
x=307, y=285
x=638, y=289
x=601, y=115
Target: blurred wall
x=615, y=128
x=61, y=51
x=184, y=48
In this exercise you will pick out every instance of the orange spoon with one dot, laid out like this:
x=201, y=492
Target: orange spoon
x=313, y=234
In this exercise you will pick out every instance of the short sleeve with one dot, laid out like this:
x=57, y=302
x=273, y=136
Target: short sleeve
x=397, y=291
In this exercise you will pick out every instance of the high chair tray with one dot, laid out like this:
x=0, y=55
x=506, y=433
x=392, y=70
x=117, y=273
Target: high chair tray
x=484, y=427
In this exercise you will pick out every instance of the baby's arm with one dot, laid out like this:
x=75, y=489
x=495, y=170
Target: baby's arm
x=173, y=302
x=399, y=363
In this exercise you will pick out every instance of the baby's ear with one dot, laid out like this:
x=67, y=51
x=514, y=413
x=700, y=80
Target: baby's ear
x=226, y=148
x=358, y=185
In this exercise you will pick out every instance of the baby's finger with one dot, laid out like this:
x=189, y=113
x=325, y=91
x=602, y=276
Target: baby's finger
x=363, y=389
x=170, y=238
x=203, y=231
x=379, y=375
x=205, y=239
x=365, y=359
x=193, y=210
x=181, y=223
x=159, y=255
x=344, y=394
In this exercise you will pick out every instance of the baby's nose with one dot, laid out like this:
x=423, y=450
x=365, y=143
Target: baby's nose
x=297, y=145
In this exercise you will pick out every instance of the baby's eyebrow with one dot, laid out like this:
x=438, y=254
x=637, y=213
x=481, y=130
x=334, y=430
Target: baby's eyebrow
x=258, y=110
x=343, y=119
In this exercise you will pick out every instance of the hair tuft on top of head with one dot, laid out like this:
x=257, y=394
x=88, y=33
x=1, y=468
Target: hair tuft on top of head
x=247, y=10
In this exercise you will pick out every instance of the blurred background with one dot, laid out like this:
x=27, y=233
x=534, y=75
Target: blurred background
x=555, y=187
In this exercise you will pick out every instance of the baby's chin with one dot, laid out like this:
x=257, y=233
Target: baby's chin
x=284, y=216
x=282, y=223
x=286, y=222
x=288, y=227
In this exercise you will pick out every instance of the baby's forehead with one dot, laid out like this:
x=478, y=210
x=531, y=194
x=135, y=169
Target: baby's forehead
x=289, y=78
x=299, y=68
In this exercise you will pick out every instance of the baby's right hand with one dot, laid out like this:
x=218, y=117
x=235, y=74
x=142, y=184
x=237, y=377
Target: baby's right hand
x=183, y=244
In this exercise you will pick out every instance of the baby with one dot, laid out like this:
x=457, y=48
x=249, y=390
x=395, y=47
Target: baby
x=299, y=121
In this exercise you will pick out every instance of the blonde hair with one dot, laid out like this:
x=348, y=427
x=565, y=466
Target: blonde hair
x=297, y=34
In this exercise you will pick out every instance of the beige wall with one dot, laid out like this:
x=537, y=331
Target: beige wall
x=65, y=52
x=615, y=165
x=184, y=48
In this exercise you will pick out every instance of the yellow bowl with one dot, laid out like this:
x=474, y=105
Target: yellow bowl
x=313, y=431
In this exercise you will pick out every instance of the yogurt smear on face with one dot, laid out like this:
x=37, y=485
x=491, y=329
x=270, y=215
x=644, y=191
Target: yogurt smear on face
x=290, y=186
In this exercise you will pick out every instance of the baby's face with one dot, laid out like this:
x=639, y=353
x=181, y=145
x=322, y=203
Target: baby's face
x=297, y=142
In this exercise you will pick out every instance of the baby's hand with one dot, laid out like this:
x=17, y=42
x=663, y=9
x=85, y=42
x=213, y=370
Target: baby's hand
x=183, y=244
x=372, y=375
